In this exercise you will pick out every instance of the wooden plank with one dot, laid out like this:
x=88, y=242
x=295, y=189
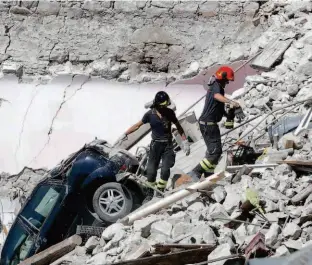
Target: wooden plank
x=54, y=252
x=177, y=258
x=166, y=247
x=271, y=53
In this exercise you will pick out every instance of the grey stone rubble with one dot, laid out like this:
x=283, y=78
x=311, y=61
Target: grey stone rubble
x=137, y=41
x=202, y=217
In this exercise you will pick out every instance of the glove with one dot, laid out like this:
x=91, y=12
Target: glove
x=239, y=113
x=186, y=147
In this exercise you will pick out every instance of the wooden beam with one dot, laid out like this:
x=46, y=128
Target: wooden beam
x=177, y=258
x=54, y=252
x=271, y=53
x=163, y=248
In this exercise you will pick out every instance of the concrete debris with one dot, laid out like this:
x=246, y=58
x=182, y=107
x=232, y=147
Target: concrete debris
x=156, y=46
x=161, y=227
x=112, y=230
x=92, y=243
x=220, y=251
x=294, y=244
x=219, y=194
x=291, y=230
x=271, y=236
x=281, y=251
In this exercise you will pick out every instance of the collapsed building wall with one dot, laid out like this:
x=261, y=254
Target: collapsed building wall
x=137, y=40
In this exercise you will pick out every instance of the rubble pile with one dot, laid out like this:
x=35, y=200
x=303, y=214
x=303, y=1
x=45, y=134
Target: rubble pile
x=285, y=194
x=200, y=219
x=20, y=185
x=137, y=41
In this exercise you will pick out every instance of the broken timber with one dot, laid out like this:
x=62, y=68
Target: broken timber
x=54, y=252
x=271, y=53
x=178, y=258
x=165, y=248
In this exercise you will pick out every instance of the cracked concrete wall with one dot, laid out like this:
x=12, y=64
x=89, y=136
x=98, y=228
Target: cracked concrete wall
x=124, y=40
x=45, y=123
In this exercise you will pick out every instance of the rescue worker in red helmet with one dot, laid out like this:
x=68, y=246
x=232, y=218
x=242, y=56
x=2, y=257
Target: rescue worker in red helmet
x=214, y=110
x=160, y=118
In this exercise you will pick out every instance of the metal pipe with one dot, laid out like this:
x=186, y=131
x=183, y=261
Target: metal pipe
x=165, y=202
x=233, y=168
x=285, y=113
x=267, y=115
x=242, y=124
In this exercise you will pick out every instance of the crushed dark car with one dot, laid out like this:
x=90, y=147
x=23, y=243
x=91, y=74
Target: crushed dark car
x=89, y=188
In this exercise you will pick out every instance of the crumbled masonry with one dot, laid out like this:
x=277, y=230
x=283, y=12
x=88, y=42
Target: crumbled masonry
x=286, y=192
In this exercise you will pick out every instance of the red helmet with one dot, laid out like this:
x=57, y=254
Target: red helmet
x=225, y=73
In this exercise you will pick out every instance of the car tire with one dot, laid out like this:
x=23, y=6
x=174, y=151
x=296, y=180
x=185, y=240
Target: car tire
x=112, y=201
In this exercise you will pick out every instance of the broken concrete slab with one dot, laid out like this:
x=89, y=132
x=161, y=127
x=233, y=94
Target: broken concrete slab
x=144, y=225
x=291, y=230
x=271, y=236
x=110, y=231
x=162, y=227
x=271, y=53
x=91, y=243
x=221, y=251
x=180, y=229
x=219, y=194
x=293, y=244
x=281, y=251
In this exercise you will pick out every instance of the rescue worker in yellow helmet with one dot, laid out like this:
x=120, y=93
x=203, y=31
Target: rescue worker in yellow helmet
x=160, y=117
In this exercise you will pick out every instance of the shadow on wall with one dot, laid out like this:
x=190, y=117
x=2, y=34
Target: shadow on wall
x=238, y=83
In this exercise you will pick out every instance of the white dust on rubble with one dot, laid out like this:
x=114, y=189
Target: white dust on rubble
x=289, y=81
x=137, y=41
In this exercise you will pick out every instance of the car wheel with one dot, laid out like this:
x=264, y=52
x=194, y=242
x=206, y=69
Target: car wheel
x=112, y=201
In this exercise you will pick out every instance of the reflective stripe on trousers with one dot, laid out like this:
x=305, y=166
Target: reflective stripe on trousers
x=207, y=166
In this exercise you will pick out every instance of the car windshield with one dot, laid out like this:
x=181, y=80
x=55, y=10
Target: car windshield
x=19, y=242
x=41, y=204
x=18, y=246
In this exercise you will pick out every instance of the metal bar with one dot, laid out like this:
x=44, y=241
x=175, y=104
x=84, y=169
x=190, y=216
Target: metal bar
x=165, y=202
x=233, y=168
x=285, y=113
x=267, y=115
x=305, y=122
